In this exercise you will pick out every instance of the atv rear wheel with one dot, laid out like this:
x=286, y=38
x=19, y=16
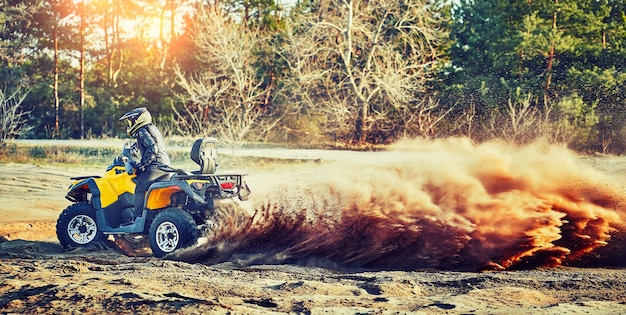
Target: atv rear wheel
x=172, y=229
x=77, y=226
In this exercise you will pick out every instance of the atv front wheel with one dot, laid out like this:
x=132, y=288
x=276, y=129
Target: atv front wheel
x=77, y=226
x=172, y=229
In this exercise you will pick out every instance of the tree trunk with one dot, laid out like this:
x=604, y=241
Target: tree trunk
x=82, y=70
x=108, y=45
x=162, y=34
x=361, y=104
x=551, y=53
x=360, y=131
x=168, y=51
x=115, y=41
x=55, y=38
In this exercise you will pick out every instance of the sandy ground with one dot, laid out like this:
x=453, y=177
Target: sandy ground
x=38, y=276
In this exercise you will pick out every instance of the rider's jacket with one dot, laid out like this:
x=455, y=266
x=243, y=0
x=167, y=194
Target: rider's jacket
x=152, y=147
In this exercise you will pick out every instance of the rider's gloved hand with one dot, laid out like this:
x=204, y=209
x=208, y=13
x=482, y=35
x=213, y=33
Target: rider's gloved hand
x=120, y=160
x=134, y=168
x=139, y=168
x=130, y=168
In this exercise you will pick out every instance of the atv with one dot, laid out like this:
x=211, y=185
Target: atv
x=178, y=209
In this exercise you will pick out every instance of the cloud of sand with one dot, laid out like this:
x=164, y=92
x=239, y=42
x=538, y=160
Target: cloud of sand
x=433, y=204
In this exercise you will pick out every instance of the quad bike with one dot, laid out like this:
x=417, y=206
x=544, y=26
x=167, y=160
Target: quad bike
x=177, y=210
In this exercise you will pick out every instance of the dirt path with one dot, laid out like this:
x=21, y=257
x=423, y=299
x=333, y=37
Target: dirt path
x=38, y=276
x=31, y=198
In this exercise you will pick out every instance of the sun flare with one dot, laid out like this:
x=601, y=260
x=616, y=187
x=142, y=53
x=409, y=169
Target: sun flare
x=154, y=22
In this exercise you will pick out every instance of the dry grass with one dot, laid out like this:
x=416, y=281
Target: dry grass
x=53, y=155
x=99, y=153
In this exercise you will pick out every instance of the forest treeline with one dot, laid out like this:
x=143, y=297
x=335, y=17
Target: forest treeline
x=339, y=72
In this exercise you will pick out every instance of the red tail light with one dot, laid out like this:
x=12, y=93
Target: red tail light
x=227, y=185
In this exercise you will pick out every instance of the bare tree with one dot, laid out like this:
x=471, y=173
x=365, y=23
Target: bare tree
x=366, y=61
x=12, y=120
x=465, y=123
x=421, y=118
x=81, y=60
x=224, y=98
x=520, y=122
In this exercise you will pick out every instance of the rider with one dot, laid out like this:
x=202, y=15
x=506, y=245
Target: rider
x=152, y=149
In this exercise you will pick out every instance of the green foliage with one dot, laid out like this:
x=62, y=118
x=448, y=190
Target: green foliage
x=142, y=78
x=604, y=87
x=561, y=63
x=577, y=121
x=571, y=52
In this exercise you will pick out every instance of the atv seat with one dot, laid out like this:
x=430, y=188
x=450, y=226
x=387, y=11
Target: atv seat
x=204, y=153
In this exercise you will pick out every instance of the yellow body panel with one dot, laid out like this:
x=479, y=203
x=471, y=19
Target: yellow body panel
x=114, y=183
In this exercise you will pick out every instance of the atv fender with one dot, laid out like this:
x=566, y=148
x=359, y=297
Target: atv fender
x=160, y=193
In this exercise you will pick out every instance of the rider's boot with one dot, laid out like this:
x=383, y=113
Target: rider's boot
x=128, y=216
